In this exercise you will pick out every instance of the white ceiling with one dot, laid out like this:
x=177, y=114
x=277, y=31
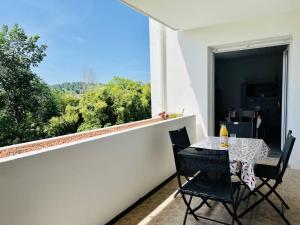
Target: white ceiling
x=190, y=14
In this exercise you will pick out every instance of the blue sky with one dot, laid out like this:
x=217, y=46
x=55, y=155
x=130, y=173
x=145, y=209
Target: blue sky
x=104, y=36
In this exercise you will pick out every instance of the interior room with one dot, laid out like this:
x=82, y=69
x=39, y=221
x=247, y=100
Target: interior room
x=248, y=88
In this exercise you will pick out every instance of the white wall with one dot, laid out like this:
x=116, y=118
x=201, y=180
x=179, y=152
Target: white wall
x=158, y=67
x=187, y=66
x=87, y=182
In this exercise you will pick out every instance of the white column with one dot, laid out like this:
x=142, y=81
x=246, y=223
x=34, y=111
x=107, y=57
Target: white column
x=158, y=67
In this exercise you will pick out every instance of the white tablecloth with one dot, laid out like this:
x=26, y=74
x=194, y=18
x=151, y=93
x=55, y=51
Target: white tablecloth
x=243, y=154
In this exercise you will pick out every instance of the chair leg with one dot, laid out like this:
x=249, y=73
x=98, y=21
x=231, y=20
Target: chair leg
x=232, y=214
x=251, y=207
x=176, y=194
x=279, y=197
x=178, y=191
x=266, y=197
x=187, y=210
x=235, y=215
x=257, y=188
x=278, y=211
x=265, y=181
x=189, y=206
x=237, y=199
x=204, y=201
x=282, y=201
x=274, y=206
x=198, y=207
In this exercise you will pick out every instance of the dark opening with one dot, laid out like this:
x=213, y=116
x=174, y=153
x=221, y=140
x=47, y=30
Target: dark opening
x=251, y=81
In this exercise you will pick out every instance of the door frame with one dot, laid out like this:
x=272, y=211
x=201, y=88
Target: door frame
x=246, y=45
x=284, y=97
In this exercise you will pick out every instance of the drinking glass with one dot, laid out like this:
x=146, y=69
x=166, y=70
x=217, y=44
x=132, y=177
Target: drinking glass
x=232, y=138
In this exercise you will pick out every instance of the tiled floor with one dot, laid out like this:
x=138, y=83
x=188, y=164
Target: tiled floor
x=162, y=209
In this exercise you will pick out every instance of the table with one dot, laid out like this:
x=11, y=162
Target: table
x=243, y=154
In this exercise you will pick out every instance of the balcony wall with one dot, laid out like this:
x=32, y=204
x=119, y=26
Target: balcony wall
x=90, y=181
x=189, y=63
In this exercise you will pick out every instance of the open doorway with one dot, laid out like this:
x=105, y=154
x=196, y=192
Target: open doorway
x=249, y=87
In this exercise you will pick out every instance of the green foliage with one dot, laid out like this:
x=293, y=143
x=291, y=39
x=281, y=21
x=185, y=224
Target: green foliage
x=64, y=124
x=119, y=101
x=26, y=101
x=30, y=109
x=92, y=108
x=63, y=99
x=68, y=118
x=74, y=87
x=127, y=100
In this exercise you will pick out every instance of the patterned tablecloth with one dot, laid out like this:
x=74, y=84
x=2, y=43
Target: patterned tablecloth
x=243, y=154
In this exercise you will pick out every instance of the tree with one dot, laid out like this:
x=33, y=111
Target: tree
x=74, y=87
x=30, y=110
x=68, y=119
x=93, y=110
x=64, y=124
x=24, y=97
x=128, y=100
x=120, y=101
x=89, y=79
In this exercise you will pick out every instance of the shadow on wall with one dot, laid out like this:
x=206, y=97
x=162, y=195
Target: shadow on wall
x=195, y=59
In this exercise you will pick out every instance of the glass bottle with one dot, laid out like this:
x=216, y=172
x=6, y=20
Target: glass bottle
x=223, y=136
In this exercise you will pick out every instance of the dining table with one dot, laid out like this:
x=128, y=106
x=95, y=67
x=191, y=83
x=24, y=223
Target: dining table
x=243, y=154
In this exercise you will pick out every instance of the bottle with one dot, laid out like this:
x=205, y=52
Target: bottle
x=223, y=136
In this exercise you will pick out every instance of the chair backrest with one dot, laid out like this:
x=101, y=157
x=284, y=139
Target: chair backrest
x=246, y=115
x=287, y=136
x=208, y=165
x=232, y=115
x=180, y=139
x=241, y=129
x=286, y=153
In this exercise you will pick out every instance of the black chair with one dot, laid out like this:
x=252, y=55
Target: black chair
x=241, y=129
x=211, y=182
x=246, y=115
x=270, y=169
x=180, y=138
x=280, y=159
x=268, y=172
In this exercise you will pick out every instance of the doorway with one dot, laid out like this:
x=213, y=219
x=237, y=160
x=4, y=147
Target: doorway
x=253, y=82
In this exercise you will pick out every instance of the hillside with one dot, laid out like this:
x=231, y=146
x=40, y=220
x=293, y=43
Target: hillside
x=74, y=87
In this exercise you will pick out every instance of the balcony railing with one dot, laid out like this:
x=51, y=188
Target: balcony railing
x=89, y=181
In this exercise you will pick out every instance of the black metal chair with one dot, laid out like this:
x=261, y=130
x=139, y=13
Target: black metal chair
x=280, y=159
x=268, y=172
x=241, y=129
x=180, y=138
x=211, y=182
x=246, y=115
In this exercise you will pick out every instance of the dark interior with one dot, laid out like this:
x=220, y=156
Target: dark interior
x=251, y=81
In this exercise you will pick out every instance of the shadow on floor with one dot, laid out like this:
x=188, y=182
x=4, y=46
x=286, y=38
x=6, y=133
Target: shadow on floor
x=173, y=211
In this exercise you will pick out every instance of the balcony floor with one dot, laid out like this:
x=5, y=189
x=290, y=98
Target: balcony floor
x=162, y=209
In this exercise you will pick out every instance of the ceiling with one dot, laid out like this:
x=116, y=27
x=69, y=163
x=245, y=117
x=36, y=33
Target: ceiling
x=190, y=14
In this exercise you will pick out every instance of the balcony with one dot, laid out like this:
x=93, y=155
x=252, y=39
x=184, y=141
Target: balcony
x=89, y=181
x=125, y=174
x=162, y=208
x=95, y=181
